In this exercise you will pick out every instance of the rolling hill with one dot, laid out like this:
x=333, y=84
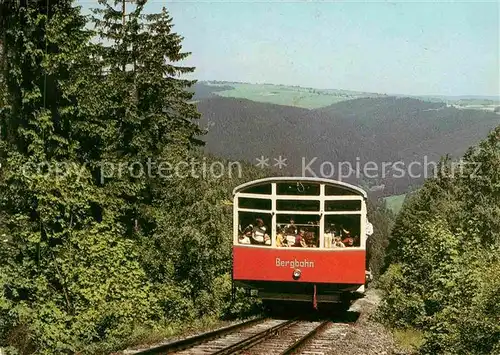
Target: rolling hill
x=313, y=98
x=376, y=129
x=277, y=94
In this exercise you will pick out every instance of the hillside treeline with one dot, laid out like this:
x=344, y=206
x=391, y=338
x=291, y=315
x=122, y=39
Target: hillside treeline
x=381, y=130
x=444, y=255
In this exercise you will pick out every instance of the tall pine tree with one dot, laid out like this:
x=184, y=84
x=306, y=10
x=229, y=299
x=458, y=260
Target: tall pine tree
x=149, y=116
x=68, y=277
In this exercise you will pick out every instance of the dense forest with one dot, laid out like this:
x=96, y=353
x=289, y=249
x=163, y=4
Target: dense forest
x=97, y=249
x=443, y=276
x=90, y=252
x=384, y=129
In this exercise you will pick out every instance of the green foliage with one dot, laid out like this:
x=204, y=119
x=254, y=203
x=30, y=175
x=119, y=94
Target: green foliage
x=409, y=340
x=395, y=203
x=92, y=251
x=444, y=274
x=382, y=220
x=88, y=254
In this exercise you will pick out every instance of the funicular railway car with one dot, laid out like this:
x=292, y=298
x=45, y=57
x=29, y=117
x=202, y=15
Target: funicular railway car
x=300, y=239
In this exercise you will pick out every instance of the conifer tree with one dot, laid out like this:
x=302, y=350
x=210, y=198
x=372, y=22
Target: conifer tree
x=149, y=114
x=444, y=272
x=91, y=253
x=68, y=278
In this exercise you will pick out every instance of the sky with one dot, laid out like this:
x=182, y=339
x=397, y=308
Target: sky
x=414, y=48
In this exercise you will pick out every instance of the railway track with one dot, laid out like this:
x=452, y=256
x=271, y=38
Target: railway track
x=261, y=336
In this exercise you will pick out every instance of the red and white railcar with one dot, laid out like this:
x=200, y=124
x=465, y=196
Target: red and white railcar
x=300, y=239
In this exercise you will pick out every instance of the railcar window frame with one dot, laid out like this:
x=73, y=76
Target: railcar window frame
x=322, y=198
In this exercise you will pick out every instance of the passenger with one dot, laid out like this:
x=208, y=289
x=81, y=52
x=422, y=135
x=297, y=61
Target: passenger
x=348, y=240
x=245, y=235
x=310, y=239
x=316, y=239
x=292, y=226
x=334, y=229
x=244, y=238
x=280, y=239
x=248, y=229
x=259, y=235
x=290, y=236
x=300, y=240
x=344, y=232
x=356, y=241
x=337, y=243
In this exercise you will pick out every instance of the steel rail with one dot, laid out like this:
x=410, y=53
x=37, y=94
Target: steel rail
x=299, y=343
x=197, y=339
x=255, y=339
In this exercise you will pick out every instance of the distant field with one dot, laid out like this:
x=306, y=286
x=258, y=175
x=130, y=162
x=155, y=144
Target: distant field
x=311, y=98
x=394, y=203
x=289, y=95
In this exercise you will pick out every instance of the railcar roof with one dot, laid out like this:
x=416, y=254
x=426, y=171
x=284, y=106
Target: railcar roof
x=330, y=182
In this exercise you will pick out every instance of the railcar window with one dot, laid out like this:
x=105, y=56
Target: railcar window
x=339, y=205
x=254, y=228
x=254, y=203
x=342, y=231
x=264, y=189
x=297, y=205
x=294, y=217
x=297, y=231
x=338, y=191
x=298, y=188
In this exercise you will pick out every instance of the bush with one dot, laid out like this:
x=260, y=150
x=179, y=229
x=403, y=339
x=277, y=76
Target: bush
x=444, y=274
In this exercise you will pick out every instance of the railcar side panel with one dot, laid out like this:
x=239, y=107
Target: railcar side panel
x=316, y=266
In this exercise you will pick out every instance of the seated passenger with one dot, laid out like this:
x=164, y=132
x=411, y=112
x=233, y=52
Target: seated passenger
x=280, y=239
x=334, y=229
x=290, y=236
x=357, y=241
x=300, y=240
x=348, y=240
x=344, y=232
x=310, y=240
x=245, y=235
x=244, y=239
x=259, y=235
x=337, y=243
x=292, y=227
